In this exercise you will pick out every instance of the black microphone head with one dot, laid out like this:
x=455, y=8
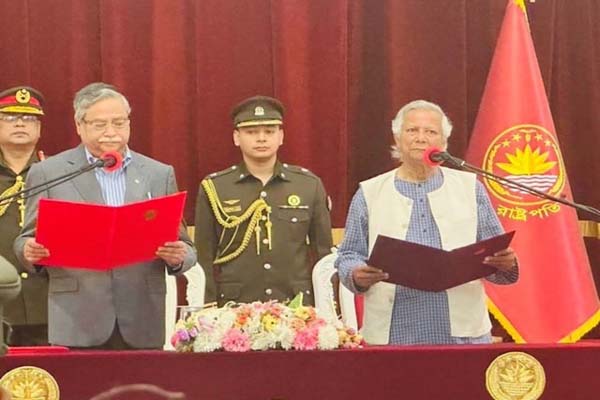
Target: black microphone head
x=434, y=156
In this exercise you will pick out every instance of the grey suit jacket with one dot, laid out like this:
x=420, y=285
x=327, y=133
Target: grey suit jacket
x=83, y=305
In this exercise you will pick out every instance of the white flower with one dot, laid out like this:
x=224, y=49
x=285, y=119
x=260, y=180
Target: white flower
x=285, y=336
x=205, y=343
x=328, y=338
x=264, y=341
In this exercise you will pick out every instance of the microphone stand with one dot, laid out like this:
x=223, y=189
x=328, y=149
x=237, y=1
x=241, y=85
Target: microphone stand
x=462, y=164
x=34, y=190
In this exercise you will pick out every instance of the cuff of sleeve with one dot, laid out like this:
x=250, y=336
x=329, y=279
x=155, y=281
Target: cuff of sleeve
x=348, y=281
x=173, y=269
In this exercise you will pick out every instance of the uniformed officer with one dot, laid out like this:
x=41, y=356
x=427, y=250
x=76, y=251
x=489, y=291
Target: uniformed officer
x=20, y=111
x=262, y=224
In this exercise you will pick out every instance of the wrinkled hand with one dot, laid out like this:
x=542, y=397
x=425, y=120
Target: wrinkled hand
x=34, y=252
x=173, y=253
x=365, y=276
x=504, y=260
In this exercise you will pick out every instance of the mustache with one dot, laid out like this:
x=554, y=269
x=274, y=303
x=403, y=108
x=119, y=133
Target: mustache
x=110, y=140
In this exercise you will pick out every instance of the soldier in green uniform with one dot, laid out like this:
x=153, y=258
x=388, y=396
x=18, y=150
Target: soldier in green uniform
x=262, y=224
x=20, y=125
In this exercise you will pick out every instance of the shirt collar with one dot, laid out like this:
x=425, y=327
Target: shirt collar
x=279, y=172
x=33, y=159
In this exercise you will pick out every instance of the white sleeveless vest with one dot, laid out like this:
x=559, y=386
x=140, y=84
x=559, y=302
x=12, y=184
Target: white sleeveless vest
x=454, y=208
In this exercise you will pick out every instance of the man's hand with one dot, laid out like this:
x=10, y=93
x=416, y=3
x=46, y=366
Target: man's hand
x=34, y=252
x=505, y=260
x=173, y=253
x=366, y=276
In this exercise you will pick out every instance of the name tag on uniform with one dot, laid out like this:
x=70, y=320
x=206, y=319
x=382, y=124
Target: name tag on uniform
x=293, y=202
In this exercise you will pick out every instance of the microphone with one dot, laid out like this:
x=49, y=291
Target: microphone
x=434, y=156
x=111, y=160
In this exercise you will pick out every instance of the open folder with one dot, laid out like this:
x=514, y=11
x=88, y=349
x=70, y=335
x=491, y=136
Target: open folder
x=430, y=269
x=100, y=237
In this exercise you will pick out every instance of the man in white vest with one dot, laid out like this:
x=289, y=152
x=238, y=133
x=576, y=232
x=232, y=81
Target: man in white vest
x=428, y=205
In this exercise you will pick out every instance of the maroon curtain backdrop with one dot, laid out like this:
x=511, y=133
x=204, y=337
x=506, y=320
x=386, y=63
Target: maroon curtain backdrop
x=342, y=67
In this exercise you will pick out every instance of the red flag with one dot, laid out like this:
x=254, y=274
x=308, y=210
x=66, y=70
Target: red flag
x=555, y=299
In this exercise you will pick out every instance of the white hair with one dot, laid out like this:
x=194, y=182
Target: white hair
x=398, y=121
x=93, y=93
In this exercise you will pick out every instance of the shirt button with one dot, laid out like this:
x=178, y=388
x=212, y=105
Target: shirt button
x=263, y=194
x=234, y=167
x=24, y=275
x=421, y=200
x=267, y=267
x=282, y=175
x=285, y=165
x=264, y=218
x=268, y=292
x=307, y=291
x=265, y=241
x=422, y=215
x=294, y=219
x=424, y=230
x=420, y=185
x=222, y=295
x=241, y=176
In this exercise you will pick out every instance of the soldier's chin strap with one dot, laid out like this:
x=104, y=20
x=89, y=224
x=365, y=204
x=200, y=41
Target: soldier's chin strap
x=253, y=215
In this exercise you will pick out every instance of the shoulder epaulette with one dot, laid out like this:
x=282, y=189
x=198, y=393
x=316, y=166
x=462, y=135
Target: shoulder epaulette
x=223, y=172
x=299, y=170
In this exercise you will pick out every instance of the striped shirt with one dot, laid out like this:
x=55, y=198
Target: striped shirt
x=112, y=184
x=418, y=317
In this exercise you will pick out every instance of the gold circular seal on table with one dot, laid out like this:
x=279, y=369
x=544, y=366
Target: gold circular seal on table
x=30, y=383
x=515, y=376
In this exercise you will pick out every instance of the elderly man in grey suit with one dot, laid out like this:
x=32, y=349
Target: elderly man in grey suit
x=123, y=308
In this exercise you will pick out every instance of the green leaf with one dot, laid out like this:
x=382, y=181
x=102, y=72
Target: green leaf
x=296, y=301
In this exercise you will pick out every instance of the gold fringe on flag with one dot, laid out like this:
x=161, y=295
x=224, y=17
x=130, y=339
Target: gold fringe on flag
x=572, y=337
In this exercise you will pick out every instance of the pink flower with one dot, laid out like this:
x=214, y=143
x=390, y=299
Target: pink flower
x=174, y=340
x=183, y=335
x=317, y=323
x=235, y=340
x=306, y=339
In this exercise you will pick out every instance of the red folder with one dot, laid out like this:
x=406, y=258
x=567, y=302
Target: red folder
x=430, y=269
x=99, y=237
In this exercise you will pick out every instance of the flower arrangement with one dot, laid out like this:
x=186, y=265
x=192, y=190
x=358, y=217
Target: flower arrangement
x=261, y=326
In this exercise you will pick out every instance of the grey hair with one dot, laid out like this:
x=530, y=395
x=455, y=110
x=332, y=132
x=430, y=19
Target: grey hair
x=93, y=93
x=398, y=121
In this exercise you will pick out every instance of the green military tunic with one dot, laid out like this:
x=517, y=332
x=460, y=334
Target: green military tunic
x=30, y=307
x=277, y=261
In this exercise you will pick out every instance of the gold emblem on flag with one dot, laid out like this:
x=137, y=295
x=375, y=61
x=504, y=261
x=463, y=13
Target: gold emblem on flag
x=515, y=376
x=30, y=383
x=527, y=154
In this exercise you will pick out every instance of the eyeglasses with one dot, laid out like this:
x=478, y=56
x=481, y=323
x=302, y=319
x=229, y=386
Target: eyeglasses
x=101, y=125
x=16, y=117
